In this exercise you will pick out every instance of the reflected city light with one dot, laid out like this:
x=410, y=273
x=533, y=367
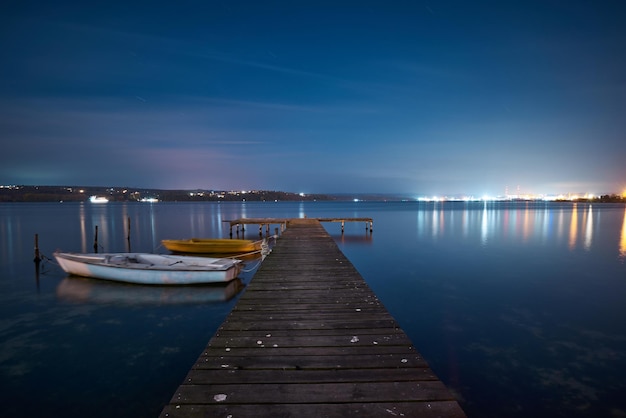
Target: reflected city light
x=435, y=222
x=465, y=223
x=153, y=227
x=527, y=224
x=573, y=228
x=622, y=241
x=570, y=226
x=484, y=226
x=301, y=213
x=588, y=228
x=83, y=228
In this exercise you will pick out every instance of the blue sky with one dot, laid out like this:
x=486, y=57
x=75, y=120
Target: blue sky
x=423, y=98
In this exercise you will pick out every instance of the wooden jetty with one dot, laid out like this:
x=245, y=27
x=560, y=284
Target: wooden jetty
x=282, y=222
x=309, y=338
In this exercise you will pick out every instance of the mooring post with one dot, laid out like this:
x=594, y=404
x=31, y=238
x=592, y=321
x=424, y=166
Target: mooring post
x=371, y=226
x=95, y=241
x=267, y=230
x=342, y=222
x=128, y=235
x=37, y=258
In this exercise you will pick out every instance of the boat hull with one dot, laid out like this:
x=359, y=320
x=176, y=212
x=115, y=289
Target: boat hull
x=212, y=246
x=156, y=269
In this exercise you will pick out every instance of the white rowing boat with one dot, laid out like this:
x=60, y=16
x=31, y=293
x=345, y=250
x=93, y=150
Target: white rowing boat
x=145, y=268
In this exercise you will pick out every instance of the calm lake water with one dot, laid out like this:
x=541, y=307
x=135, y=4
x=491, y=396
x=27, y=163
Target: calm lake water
x=518, y=307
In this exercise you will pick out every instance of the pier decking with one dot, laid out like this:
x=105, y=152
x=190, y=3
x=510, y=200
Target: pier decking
x=309, y=338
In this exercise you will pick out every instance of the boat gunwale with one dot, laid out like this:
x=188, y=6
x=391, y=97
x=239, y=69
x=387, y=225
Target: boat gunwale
x=104, y=261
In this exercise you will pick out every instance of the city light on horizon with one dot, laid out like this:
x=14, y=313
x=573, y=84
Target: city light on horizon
x=515, y=197
x=211, y=192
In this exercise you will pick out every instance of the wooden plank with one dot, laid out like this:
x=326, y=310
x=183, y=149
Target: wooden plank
x=300, y=362
x=208, y=376
x=429, y=409
x=303, y=351
x=286, y=393
x=247, y=323
x=309, y=338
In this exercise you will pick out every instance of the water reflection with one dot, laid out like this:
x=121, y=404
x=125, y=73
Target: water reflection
x=153, y=230
x=622, y=241
x=353, y=239
x=573, y=227
x=8, y=244
x=301, y=213
x=589, y=228
x=484, y=226
x=559, y=222
x=83, y=228
x=145, y=224
x=82, y=290
x=437, y=221
x=529, y=223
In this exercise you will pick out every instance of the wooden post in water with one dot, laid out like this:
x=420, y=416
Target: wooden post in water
x=37, y=258
x=128, y=235
x=95, y=241
x=342, y=222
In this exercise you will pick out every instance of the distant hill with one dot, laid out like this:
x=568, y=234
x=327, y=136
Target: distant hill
x=127, y=194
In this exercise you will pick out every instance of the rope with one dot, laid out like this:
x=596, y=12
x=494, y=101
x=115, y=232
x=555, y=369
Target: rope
x=44, y=260
x=244, y=254
x=265, y=250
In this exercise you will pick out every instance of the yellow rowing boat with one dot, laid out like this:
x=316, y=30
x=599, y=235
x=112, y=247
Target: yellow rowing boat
x=212, y=245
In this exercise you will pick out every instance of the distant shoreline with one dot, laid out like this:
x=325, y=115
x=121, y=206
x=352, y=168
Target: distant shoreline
x=129, y=194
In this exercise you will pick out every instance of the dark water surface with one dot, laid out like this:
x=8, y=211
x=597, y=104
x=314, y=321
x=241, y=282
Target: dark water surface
x=518, y=307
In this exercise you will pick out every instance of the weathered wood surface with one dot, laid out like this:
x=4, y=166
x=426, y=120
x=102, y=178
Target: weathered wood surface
x=310, y=339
